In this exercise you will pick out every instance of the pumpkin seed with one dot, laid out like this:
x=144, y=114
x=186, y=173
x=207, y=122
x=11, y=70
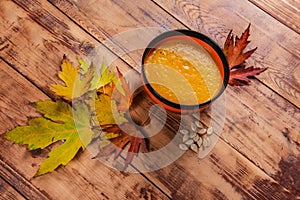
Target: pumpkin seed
x=206, y=142
x=189, y=142
x=199, y=142
x=196, y=138
x=210, y=130
x=196, y=115
x=198, y=124
x=185, y=138
x=183, y=147
x=193, y=134
x=193, y=127
x=202, y=131
x=184, y=131
x=194, y=148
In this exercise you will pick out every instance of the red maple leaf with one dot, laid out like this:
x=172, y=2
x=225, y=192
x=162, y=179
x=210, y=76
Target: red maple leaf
x=131, y=137
x=233, y=49
x=118, y=144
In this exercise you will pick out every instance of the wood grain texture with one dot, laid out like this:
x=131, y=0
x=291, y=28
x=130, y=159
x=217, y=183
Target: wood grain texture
x=285, y=11
x=251, y=127
x=83, y=178
x=7, y=192
x=39, y=32
x=11, y=105
x=278, y=46
x=22, y=185
x=107, y=24
x=229, y=173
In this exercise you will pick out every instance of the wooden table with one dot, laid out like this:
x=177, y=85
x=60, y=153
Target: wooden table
x=258, y=154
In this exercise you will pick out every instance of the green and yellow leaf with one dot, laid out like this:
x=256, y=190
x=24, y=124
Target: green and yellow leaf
x=90, y=115
x=57, y=125
x=76, y=84
x=106, y=111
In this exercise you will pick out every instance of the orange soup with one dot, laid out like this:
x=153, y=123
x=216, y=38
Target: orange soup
x=183, y=72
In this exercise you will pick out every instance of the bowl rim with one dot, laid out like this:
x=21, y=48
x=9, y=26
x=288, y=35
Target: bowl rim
x=173, y=105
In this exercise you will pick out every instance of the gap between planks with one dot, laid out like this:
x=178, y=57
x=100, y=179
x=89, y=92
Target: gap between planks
x=19, y=183
x=25, y=77
x=290, y=18
x=93, y=36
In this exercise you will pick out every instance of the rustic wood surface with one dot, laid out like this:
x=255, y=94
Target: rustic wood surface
x=285, y=11
x=258, y=153
x=8, y=192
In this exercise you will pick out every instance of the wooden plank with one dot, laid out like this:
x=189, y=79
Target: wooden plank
x=49, y=34
x=266, y=125
x=129, y=189
x=82, y=178
x=13, y=104
x=171, y=188
x=269, y=141
x=229, y=177
x=7, y=192
x=285, y=11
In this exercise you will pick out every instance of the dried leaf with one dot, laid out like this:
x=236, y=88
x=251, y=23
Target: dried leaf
x=107, y=112
x=75, y=125
x=56, y=125
x=123, y=98
x=118, y=144
x=241, y=75
x=72, y=79
x=233, y=49
x=82, y=79
x=84, y=66
x=107, y=77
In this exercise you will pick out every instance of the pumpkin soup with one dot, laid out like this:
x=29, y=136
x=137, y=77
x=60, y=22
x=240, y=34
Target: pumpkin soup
x=183, y=72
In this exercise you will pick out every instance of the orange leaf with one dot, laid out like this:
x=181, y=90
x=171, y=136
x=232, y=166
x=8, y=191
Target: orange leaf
x=118, y=144
x=241, y=75
x=107, y=89
x=123, y=101
x=233, y=49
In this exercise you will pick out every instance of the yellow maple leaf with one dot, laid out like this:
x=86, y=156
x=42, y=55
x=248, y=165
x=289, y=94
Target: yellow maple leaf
x=107, y=112
x=75, y=84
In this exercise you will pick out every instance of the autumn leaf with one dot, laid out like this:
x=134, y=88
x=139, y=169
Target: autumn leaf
x=122, y=97
x=243, y=74
x=82, y=79
x=57, y=124
x=107, y=77
x=92, y=114
x=107, y=112
x=234, y=51
x=118, y=144
x=115, y=139
x=84, y=66
x=71, y=77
